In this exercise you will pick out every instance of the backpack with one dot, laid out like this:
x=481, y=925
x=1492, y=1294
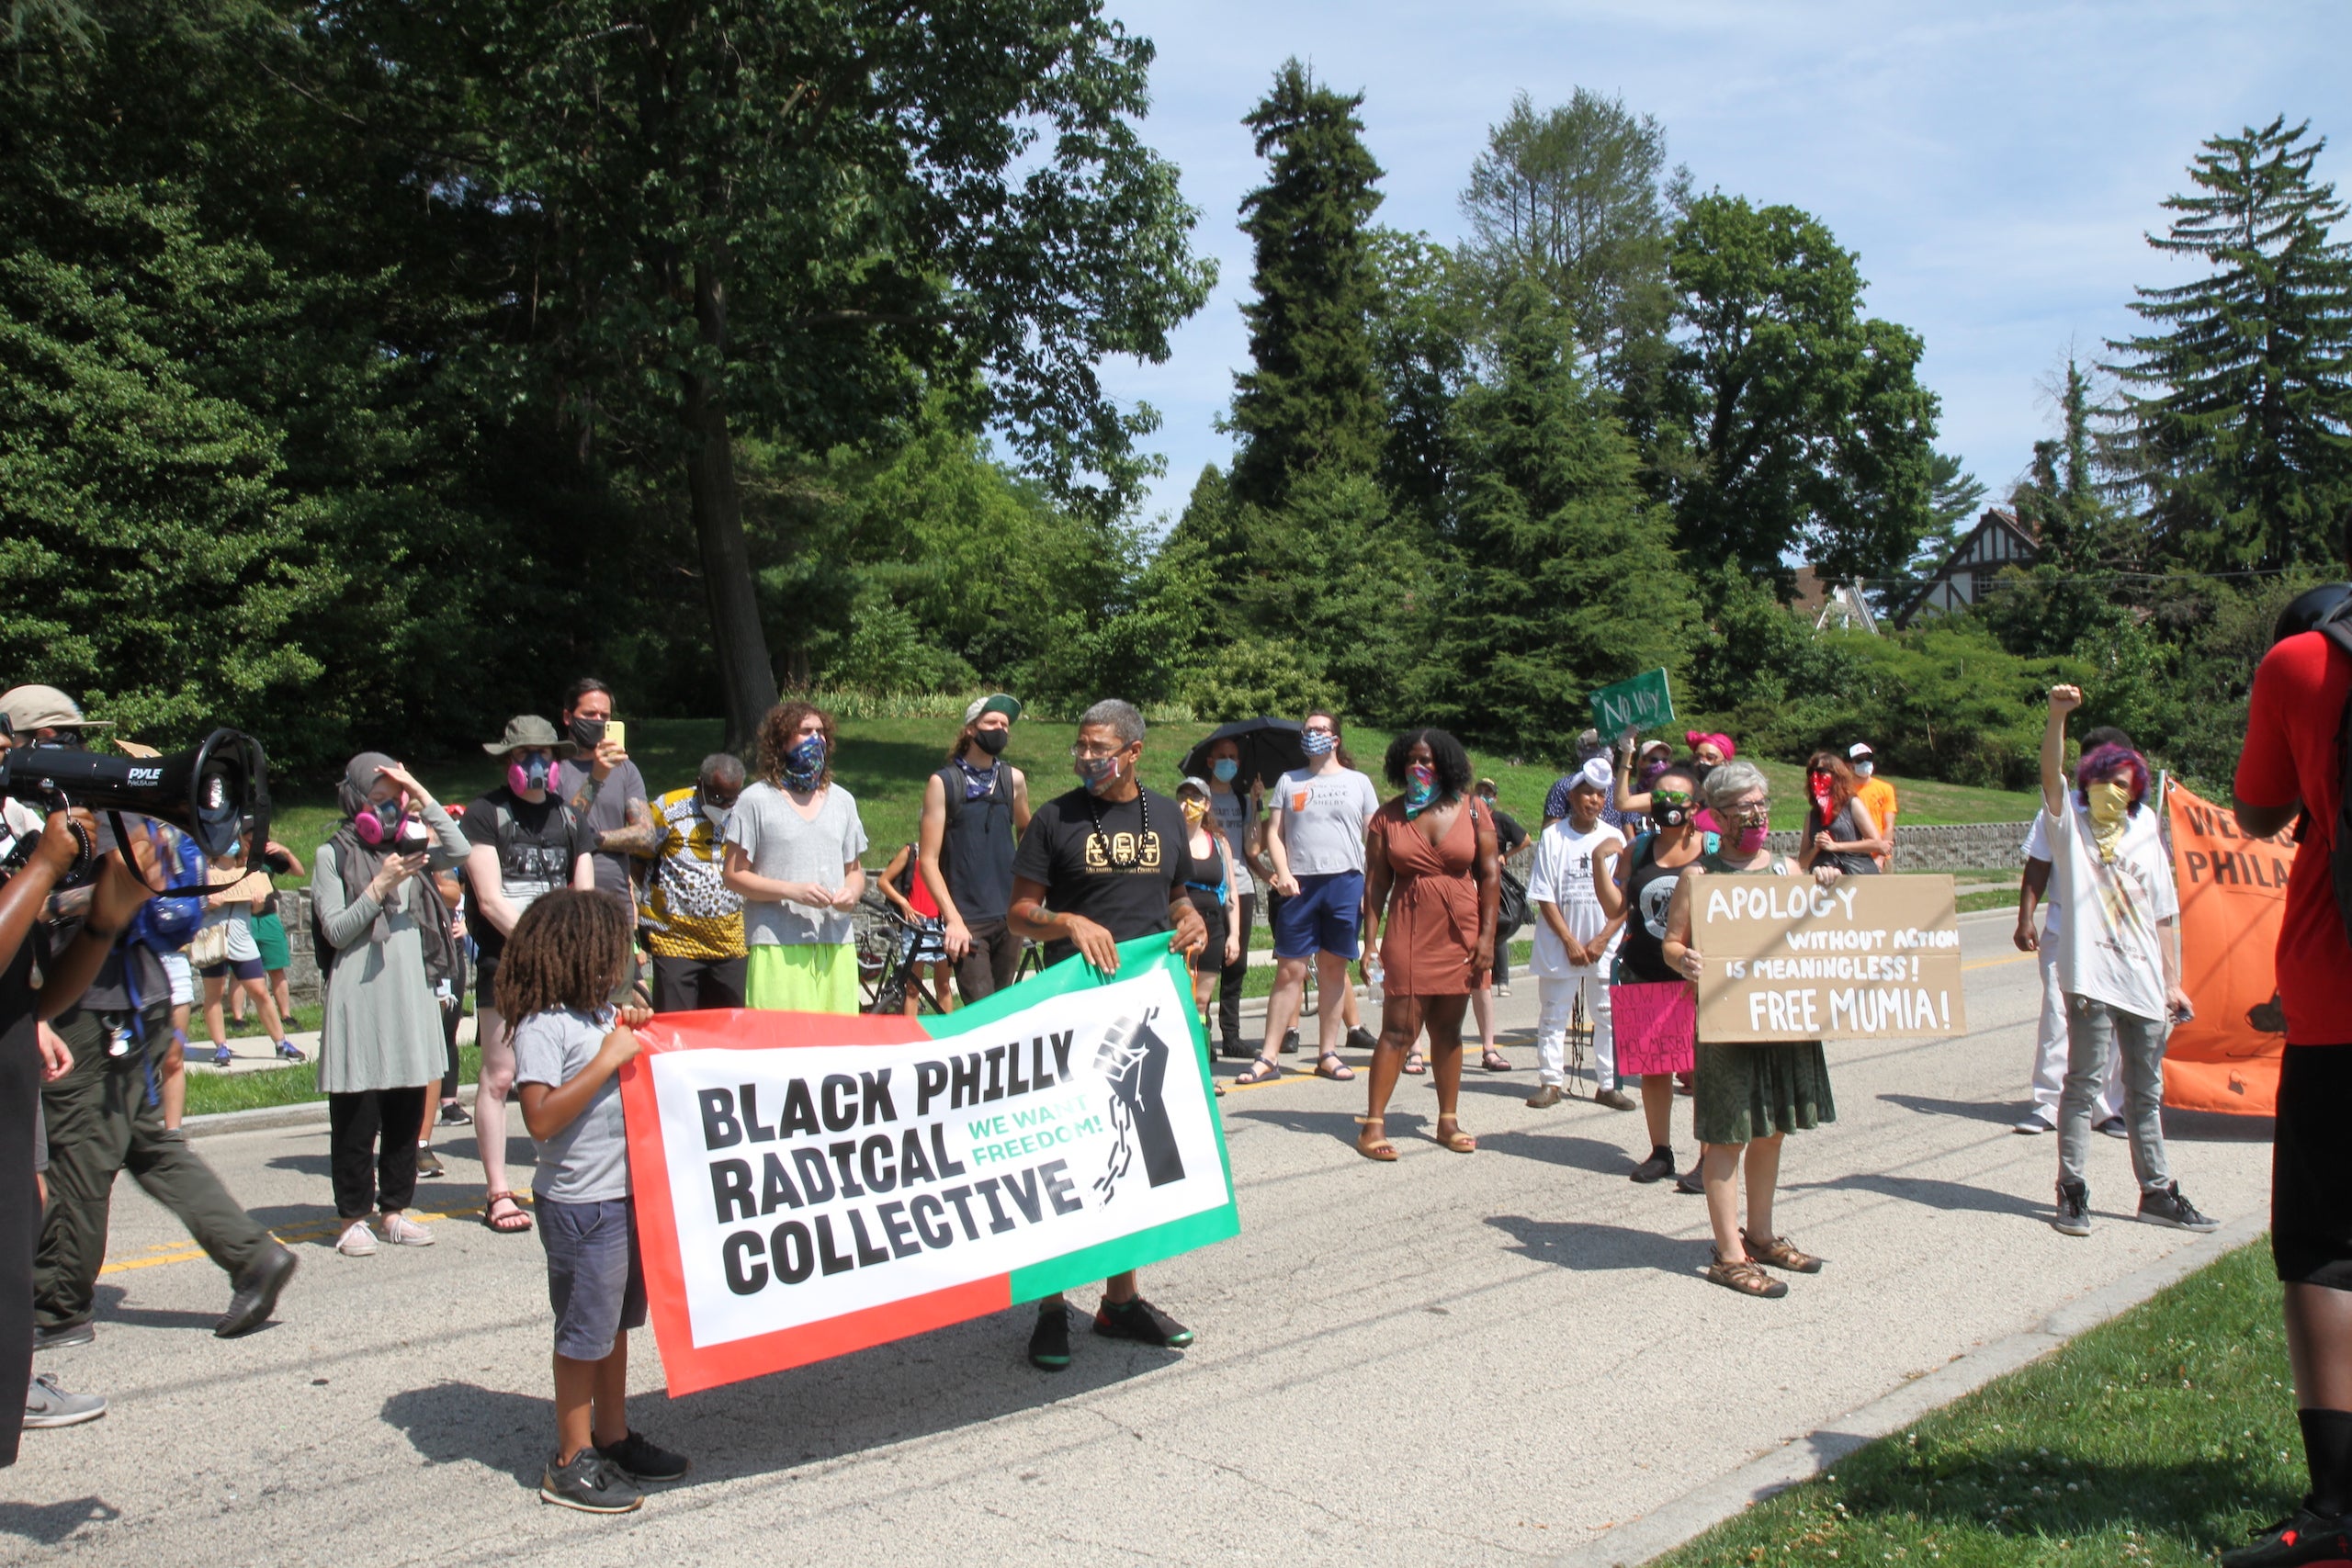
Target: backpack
x=2336, y=626
x=166, y=925
x=905, y=881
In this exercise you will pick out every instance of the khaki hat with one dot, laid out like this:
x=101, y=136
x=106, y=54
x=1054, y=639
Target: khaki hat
x=1000, y=703
x=522, y=730
x=45, y=707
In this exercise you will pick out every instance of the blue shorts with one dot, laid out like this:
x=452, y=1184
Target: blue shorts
x=1324, y=917
x=595, y=1281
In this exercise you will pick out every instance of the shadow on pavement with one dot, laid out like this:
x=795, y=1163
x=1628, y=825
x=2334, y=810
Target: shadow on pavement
x=1972, y=1109
x=1560, y=1149
x=1343, y=1125
x=847, y=1406
x=1594, y=1248
x=52, y=1523
x=1930, y=1193
x=109, y=1300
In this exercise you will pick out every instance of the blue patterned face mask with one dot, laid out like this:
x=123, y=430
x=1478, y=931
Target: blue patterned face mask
x=805, y=763
x=1421, y=789
x=1317, y=742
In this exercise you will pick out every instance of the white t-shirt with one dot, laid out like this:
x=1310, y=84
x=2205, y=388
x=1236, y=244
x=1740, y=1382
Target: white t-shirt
x=780, y=842
x=1324, y=817
x=2037, y=847
x=2110, y=948
x=1562, y=875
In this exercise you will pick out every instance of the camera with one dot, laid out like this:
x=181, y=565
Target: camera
x=213, y=793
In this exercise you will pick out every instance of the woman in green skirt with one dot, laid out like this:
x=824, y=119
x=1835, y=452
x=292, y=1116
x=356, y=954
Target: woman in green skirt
x=1750, y=1096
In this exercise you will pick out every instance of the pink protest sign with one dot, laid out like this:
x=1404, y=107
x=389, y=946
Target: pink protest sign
x=1656, y=1028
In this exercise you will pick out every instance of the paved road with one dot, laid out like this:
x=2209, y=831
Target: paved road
x=1450, y=1359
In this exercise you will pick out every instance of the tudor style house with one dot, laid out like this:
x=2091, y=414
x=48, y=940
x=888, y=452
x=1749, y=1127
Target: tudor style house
x=1998, y=541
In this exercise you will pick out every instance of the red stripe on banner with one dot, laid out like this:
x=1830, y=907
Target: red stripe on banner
x=696, y=1369
x=758, y=1029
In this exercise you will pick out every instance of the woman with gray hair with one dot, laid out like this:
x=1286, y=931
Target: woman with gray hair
x=381, y=932
x=1749, y=1095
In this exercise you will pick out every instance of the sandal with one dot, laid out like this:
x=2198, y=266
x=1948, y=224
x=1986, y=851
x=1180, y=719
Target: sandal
x=1746, y=1278
x=1414, y=1062
x=1780, y=1253
x=1259, y=1070
x=1379, y=1148
x=1460, y=1142
x=1494, y=1061
x=1344, y=1073
x=493, y=1220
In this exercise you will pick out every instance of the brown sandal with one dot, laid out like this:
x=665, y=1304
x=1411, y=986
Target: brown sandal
x=1494, y=1061
x=1415, y=1065
x=1780, y=1253
x=1746, y=1278
x=1380, y=1148
x=491, y=1220
x=1460, y=1142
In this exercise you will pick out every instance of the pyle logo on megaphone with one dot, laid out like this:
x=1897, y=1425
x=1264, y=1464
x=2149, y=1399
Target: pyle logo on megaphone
x=145, y=776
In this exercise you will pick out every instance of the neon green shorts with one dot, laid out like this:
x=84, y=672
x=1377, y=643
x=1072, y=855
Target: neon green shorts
x=805, y=977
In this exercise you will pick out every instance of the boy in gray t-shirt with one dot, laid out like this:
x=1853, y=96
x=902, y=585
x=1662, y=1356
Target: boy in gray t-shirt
x=586, y=1161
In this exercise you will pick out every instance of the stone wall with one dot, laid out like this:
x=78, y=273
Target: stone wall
x=1967, y=846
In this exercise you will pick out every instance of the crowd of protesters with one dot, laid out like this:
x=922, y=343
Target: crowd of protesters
x=577, y=903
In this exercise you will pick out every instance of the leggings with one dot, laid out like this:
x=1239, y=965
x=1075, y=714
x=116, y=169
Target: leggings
x=371, y=1138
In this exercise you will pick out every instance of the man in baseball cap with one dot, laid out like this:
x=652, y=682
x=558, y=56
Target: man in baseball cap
x=1876, y=793
x=999, y=703
x=40, y=713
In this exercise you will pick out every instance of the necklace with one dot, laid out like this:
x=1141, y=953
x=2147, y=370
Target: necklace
x=1134, y=852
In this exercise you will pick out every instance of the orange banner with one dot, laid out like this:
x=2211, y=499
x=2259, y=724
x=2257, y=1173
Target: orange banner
x=2233, y=896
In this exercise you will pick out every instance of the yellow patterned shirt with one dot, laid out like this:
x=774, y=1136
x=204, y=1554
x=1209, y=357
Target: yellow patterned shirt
x=685, y=910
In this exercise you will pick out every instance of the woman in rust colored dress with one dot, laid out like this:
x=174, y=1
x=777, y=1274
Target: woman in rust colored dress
x=1431, y=874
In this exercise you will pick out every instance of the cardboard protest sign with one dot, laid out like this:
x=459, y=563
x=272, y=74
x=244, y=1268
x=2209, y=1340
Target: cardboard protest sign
x=809, y=1184
x=1642, y=703
x=1787, y=959
x=1651, y=1025
x=2233, y=897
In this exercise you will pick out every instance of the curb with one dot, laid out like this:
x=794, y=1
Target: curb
x=268, y=1118
x=1654, y=1534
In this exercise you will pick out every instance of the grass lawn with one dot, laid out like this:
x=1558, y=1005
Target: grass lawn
x=2151, y=1439
x=884, y=763
x=209, y=1091
x=1989, y=898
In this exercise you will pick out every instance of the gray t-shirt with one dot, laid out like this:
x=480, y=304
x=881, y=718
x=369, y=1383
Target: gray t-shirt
x=608, y=813
x=781, y=844
x=1234, y=816
x=588, y=1161
x=1324, y=817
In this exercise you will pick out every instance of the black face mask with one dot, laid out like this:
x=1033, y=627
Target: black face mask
x=587, y=732
x=992, y=741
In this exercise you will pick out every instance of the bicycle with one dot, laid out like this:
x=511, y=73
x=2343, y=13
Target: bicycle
x=884, y=958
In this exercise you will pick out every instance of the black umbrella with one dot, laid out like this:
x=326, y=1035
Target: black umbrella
x=1269, y=749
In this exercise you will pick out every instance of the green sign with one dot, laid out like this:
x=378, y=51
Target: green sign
x=1642, y=703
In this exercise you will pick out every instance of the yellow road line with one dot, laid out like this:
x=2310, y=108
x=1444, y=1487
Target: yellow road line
x=188, y=1252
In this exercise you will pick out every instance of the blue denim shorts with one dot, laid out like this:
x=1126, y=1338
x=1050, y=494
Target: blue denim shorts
x=595, y=1281
x=1324, y=917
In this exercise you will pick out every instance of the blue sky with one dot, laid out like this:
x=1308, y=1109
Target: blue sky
x=1994, y=165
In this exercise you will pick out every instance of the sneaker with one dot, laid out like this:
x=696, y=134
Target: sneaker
x=253, y=1294
x=1657, y=1167
x=2073, y=1213
x=642, y=1459
x=1551, y=1094
x=1363, y=1039
x=1691, y=1184
x=2169, y=1208
x=1615, y=1099
x=289, y=1051
x=357, y=1240
x=1235, y=1050
x=402, y=1231
x=428, y=1164
x=2113, y=1127
x=2302, y=1539
x=1290, y=1044
x=591, y=1483
x=2038, y=1120
x=222, y=1055
x=453, y=1114
x=45, y=1404
x=1049, y=1341
x=64, y=1335
x=1140, y=1320
x=1502, y=990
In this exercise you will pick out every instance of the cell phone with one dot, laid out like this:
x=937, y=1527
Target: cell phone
x=2183, y=1014
x=617, y=731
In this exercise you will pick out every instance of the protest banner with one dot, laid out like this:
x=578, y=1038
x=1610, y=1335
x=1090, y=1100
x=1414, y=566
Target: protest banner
x=2233, y=897
x=1787, y=959
x=1651, y=1027
x=1642, y=703
x=809, y=1184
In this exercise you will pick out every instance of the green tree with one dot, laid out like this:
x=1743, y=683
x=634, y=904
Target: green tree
x=1309, y=398
x=1805, y=427
x=1567, y=577
x=2240, y=396
x=1954, y=497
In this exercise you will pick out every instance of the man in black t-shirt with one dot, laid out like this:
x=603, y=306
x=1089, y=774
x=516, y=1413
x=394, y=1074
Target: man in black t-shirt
x=525, y=842
x=1104, y=864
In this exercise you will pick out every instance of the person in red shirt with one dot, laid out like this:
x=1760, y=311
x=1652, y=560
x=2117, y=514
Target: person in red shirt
x=2291, y=763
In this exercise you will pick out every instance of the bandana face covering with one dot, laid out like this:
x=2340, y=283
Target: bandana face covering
x=2109, y=802
x=804, y=762
x=1421, y=789
x=1195, y=811
x=1824, y=793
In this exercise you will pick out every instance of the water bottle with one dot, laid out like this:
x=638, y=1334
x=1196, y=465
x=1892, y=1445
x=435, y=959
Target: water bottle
x=1372, y=976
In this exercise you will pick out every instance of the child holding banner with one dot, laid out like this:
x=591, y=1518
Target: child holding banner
x=1750, y=1096
x=565, y=958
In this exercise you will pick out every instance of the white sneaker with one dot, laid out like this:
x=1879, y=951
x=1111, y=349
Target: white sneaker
x=357, y=1241
x=402, y=1231
x=2035, y=1120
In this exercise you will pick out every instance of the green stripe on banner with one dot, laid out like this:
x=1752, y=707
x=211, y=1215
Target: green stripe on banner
x=1095, y=1264
x=1072, y=973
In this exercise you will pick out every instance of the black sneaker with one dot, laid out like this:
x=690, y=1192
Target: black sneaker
x=1235, y=1050
x=642, y=1459
x=1363, y=1039
x=1657, y=1167
x=1290, y=1044
x=1049, y=1341
x=428, y=1164
x=2169, y=1208
x=591, y=1483
x=2302, y=1539
x=64, y=1335
x=254, y=1295
x=2073, y=1213
x=1140, y=1320
x=453, y=1114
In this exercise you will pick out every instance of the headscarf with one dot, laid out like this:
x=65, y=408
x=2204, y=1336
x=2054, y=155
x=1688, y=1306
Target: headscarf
x=1696, y=738
x=356, y=865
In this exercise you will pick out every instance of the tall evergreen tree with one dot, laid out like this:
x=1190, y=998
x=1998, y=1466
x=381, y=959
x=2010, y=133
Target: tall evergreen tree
x=2240, y=400
x=1311, y=399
